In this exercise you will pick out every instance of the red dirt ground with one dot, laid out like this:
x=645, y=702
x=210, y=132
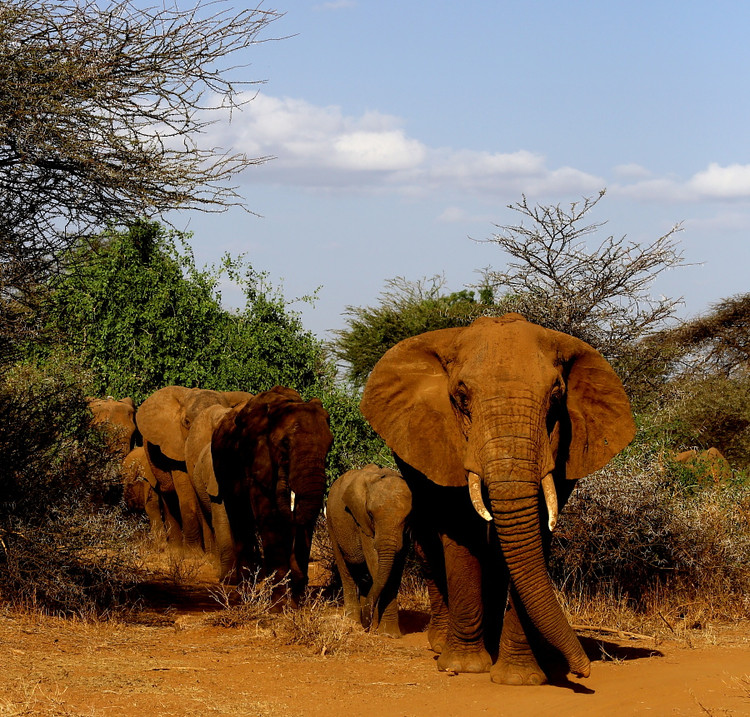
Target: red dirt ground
x=174, y=661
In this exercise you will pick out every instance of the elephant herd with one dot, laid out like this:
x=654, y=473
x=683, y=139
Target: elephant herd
x=491, y=425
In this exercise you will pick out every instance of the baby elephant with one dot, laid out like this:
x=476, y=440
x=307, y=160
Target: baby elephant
x=366, y=514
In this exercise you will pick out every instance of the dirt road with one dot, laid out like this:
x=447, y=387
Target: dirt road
x=180, y=664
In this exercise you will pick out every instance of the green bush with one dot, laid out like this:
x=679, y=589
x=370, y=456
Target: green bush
x=64, y=542
x=355, y=443
x=137, y=311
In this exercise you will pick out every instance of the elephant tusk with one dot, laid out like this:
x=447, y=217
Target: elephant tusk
x=550, y=498
x=291, y=500
x=475, y=493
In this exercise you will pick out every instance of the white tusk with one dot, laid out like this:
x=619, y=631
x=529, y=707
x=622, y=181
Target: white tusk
x=475, y=493
x=291, y=500
x=550, y=498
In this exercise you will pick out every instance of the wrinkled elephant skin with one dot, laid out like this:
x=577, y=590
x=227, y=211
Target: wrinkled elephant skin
x=503, y=407
x=366, y=514
x=268, y=456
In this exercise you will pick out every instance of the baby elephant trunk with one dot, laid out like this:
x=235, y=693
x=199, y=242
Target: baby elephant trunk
x=388, y=551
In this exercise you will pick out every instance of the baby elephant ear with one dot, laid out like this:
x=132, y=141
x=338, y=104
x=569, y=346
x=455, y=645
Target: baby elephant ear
x=600, y=420
x=407, y=402
x=355, y=500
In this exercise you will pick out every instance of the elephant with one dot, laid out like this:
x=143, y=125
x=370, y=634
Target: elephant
x=366, y=514
x=164, y=419
x=510, y=411
x=267, y=469
x=140, y=493
x=198, y=460
x=706, y=465
x=118, y=417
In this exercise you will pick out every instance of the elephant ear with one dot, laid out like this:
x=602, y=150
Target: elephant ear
x=355, y=500
x=234, y=398
x=160, y=419
x=407, y=398
x=600, y=422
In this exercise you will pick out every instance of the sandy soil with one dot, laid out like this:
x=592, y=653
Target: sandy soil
x=172, y=660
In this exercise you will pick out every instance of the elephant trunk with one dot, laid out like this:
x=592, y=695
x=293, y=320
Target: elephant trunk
x=386, y=552
x=513, y=486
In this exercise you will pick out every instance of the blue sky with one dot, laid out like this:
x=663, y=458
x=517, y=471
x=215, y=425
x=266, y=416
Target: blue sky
x=402, y=130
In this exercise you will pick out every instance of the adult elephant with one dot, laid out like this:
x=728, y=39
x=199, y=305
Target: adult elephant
x=165, y=419
x=506, y=409
x=117, y=417
x=267, y=470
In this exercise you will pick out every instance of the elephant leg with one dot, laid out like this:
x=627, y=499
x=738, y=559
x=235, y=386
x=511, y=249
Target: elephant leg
x=464, y=650
x=516, y=664
x=276, y=543
x=190, y=511
x=152, y=506
x=171, y=514
x=430, y=553
x=224, y=548
x=352, y=607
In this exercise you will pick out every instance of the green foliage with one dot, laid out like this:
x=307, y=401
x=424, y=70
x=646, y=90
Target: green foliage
x=705, y=412
x=406, y=309
x=135, y=308
x=355, y=444
x=64, y=544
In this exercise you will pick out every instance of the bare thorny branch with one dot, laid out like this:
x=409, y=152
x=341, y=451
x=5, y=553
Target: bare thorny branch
x=599, y=294
x=102, y=109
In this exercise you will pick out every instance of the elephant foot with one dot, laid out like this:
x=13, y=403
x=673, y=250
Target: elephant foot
x=476, y=659
x=353, y=613
x=388, y=629
x=437, y=636
x=521, y=672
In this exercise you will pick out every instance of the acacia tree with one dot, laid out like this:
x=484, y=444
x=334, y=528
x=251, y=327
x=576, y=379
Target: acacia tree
x=101, y=112
x=599, y=294
x=406, y=308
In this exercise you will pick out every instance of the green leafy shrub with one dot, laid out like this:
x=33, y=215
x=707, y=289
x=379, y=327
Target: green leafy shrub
x=137, y=311
x=64, y=543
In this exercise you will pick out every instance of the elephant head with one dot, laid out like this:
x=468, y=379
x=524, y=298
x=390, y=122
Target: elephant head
x=166, y=416
x=269, y=457
x=118, y=417
x=514, y=408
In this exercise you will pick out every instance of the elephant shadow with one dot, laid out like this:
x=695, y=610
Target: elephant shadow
x=411, y=621
x=597, y=650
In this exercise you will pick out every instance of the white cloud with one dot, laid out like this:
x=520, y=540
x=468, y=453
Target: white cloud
x=631, y=171
x=717, y=182
x=713, y=183
x=452, y=214
x=385, y=151
x=323, y=148
x=335, y=5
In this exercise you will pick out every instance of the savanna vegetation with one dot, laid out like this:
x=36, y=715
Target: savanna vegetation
x=95, y=299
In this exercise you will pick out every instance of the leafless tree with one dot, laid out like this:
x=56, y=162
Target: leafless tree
x=598, y=293
x=103, y=107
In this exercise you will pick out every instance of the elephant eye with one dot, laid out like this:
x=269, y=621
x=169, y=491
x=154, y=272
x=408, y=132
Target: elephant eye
x=461, y=399
x=556, y=395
